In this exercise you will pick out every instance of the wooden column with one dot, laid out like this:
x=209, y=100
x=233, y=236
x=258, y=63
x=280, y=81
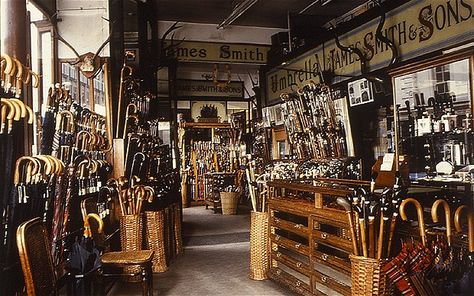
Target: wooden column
x=14, y=23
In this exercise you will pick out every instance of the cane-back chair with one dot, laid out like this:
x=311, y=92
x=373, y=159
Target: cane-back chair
x=142, y=260
x=36, y=260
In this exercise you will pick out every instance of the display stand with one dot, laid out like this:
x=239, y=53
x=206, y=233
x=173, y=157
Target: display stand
x=191, y=172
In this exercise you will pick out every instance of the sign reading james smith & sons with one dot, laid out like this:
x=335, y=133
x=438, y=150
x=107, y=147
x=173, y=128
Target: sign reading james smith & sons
x=197, y=51
x=417, y=27
x=207, y=89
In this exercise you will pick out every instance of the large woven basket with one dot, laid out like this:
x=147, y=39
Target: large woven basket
x=131, y=228
x=229, y=202
x=155, y=239
x=178, y=239
x=259, y=245
x=368, y=278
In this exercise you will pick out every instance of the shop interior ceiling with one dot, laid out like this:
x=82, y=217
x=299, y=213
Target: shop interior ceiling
x=263, y=13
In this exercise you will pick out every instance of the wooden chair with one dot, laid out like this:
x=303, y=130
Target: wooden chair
x=36, y=260
x=142, y=260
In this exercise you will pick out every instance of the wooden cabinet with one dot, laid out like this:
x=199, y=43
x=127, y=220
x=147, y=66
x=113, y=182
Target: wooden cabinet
x=310, y=240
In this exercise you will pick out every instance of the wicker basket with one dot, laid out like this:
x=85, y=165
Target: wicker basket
x=229, y=202
x=155, y=239
x=131, y=228
x=169, y=234
x=259, y=246
x=367, y=277
x=177, y=230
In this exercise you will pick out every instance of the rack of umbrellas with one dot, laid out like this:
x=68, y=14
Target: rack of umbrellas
x=311, y=123
x=428, y=257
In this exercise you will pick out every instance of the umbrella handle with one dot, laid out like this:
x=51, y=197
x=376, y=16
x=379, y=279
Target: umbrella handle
x=87, y=228
x=419, y=212
x=470, y=224
x=447, y=213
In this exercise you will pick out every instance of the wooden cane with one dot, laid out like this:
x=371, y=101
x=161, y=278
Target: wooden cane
x=347, y=207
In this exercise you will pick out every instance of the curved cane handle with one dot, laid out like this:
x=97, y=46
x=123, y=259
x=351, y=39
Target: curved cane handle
x=447, y=213
x=87, y=227
x=420, y=216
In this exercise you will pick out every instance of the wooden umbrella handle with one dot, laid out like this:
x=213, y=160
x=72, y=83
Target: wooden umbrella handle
x=419, y=212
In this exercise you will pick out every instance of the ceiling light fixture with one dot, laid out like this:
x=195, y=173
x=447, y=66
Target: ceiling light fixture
x=237, y=11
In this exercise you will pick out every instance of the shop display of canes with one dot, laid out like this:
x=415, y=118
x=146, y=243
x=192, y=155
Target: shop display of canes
x=131, y=221
x=371, y=219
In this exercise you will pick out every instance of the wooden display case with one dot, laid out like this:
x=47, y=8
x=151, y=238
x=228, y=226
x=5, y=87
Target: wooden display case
x=309, y=236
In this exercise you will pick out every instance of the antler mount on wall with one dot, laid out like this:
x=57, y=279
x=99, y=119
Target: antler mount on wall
x=89, y=63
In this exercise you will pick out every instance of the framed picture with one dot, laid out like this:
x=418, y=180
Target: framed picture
x=279, y=120
x=197, y=106
x=360, y=92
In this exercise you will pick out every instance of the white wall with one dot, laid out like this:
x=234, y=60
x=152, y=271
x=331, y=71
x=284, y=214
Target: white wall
x=231, y=34
x=83, y=26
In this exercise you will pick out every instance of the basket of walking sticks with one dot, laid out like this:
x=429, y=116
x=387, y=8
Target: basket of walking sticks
x=131, y=219
x=372, y=220
x=230, y=200
x=259, y=242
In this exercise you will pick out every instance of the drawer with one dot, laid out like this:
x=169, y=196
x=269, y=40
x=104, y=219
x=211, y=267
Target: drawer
x=332, y=240
x=330, y=217
x=333, y=261
x=291, y=262
x=285, y=206
x=290, y=281
x=299, y=229
x=289, y=244
x=327, y=281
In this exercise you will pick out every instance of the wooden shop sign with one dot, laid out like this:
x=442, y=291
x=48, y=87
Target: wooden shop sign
x=197, y=51
x=417, y=28
x=207, y=89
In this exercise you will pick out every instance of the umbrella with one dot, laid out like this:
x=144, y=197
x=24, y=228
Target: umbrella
x=85, y=255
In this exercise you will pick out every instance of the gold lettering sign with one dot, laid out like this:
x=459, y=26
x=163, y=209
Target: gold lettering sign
x=290, y=77
x=207, y=89
x=417, y=28
x=195, y=51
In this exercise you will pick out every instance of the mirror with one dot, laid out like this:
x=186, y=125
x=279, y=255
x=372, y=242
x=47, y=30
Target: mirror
x=433, y=113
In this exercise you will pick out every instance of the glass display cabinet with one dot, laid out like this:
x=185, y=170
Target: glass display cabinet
x=433, y=114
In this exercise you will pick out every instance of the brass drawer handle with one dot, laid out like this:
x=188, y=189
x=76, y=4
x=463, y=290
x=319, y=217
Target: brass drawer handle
x=324, y=279
x=298, y=226
x=277, y=220
x=324, y=235
x=278, y=272
x=325, y=257
x=298, y=264
x=278, y=254
x=298, y=283
x=277, y=237
x=297, y=246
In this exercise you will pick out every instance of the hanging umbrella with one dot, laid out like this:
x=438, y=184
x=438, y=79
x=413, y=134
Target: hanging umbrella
x=85, y=255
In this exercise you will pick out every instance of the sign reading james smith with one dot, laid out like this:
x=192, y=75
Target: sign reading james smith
x=207, y=89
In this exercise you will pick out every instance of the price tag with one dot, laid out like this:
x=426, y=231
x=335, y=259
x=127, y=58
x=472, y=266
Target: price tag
x=387, y=163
